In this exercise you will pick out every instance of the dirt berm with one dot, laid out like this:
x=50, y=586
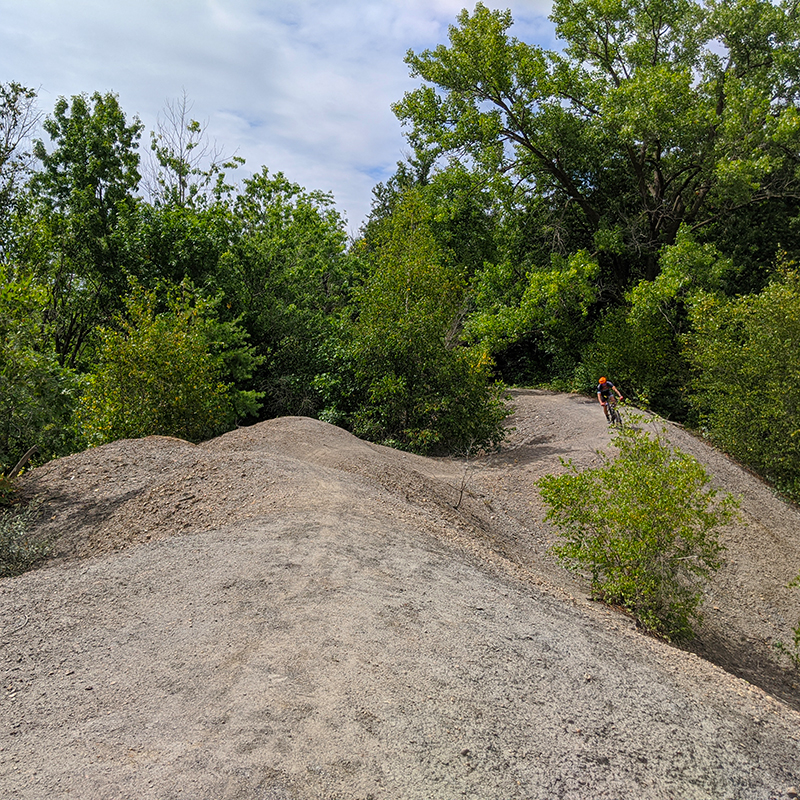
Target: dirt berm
x=287, y=612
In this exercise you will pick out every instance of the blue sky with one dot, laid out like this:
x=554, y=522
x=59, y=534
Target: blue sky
x=303, y=87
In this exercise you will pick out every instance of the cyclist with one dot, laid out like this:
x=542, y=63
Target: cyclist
x=604, y=394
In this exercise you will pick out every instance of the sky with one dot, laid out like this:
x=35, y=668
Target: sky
x=302, y=87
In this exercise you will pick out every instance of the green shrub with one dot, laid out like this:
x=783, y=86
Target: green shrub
x=412, y=384
x=20, y=550
x=746, y=355
x=170, y=372
x=544, y=329
x=643, y=526
x=36, y=394
x=641, y=355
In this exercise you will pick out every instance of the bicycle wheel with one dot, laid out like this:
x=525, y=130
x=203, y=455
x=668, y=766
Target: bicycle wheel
x=616, y=419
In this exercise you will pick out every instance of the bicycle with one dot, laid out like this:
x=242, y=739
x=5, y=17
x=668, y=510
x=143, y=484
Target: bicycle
x=614, y=417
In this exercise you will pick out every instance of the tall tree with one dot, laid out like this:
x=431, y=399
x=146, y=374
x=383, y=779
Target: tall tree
x=86, y=183
x=18, y=119
x=411, y=383
x=186, y=169
x=286, y=273
x=657, y=113
x=464, y=217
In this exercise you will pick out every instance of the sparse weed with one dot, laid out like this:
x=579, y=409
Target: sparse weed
x=20, y=550
x=7, y=491
x=792, y=651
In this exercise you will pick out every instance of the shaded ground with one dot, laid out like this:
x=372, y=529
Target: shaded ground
x=290, y=612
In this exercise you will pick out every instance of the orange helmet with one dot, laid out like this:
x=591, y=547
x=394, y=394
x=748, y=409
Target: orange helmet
x=602, y=380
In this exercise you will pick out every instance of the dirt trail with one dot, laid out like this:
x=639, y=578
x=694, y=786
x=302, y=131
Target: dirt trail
x=289, y=612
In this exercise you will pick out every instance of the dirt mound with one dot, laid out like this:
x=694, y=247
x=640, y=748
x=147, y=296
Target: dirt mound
x=290, y=612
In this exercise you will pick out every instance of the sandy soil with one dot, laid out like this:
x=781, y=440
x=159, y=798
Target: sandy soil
x=288, y=612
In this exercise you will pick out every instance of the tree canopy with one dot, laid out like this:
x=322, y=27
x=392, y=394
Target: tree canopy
x=656, y=114
x=85, y=184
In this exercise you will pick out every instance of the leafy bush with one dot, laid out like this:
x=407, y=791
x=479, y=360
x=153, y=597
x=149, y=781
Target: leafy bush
x=641, y=343
x=167, y=372
x=285, y=271
x=19, y=549
x=413, y=385
x=643, y=526
x=7, y=491
x=36, y=394
x=549, y=318
x=746, y=355
x=644, y=357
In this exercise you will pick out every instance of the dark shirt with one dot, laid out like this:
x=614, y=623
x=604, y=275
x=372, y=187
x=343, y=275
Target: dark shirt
x=605, y=389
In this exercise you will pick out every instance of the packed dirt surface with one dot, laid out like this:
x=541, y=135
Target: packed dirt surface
x=290, y=613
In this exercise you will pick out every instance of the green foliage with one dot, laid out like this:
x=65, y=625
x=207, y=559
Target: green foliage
x=85, y=185
x=748, y=237
x=550, y=315
x=20, y=549
x=171, y=372
x=173, y=243
x=641, y=343
x=93, y=166
x=746, y=353
x=8, y=491
x=286, y=274
x=650, y=115
x=416, y=387
x=462, y=206
x=643, y=526
x=36, y=393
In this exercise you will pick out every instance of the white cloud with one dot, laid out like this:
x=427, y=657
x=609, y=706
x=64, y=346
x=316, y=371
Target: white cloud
x=303, y=87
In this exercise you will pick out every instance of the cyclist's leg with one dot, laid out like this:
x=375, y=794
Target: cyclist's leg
x=615, y=415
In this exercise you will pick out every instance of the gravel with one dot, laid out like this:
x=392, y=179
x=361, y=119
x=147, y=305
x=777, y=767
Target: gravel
x=288, y=613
